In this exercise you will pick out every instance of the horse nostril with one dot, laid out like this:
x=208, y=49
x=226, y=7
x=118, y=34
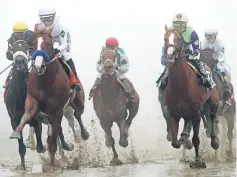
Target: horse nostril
x=42, y=66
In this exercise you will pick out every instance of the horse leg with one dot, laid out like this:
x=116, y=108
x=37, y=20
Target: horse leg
x=30, y=141
x=22, y=147
x=52, y=140
x=38, y=133
x=186, y=134
x=133, y=109
x=198, y=163
x=123, y=137
x=31, y=107
x=230, y=123
x=70, y=118
x=109, y=142
x=174, y=125
x=84, y=133
x=64, y=145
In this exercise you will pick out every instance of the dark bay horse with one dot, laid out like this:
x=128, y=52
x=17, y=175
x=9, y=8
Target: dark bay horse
x=16, y=95
x=111, y=105
x=185, y=95
x=227, y=111
x=49, y=91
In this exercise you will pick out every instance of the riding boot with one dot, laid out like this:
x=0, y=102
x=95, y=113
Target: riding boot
x=97, y=82
x=227, y=90
x=76, y=85
x=204, y=76
x=127, y=89
x=6, y=85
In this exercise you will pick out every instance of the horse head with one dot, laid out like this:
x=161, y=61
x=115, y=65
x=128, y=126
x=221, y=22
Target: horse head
x=44, y=51
x=174, y=46
x=108, y=62
x=206, y=56
x=20, y=55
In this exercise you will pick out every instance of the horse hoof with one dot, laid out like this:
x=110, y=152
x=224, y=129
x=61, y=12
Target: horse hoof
x=85, y=135
x=41, y=149
x=169, y=137
x=176, y=145
x=123, y=142
x=115, y=162
x=215, y=142
x=77, y=139
x=15, y=135
x=197, y=164
x=188, y=144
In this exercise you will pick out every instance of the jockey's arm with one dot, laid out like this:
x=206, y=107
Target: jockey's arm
x=9, y=53
x=220, y=51
x=65, y=40
x=124, y=64
x=99, y=65
x=195, y=43
x=30, y=41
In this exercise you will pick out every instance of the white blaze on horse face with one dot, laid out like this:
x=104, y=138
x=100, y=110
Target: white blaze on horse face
x=170, y=49
x=39, y=59
x=40, y=41
x=38, y=63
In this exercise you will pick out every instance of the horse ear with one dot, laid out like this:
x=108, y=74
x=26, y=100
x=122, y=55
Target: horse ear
x=166, y=28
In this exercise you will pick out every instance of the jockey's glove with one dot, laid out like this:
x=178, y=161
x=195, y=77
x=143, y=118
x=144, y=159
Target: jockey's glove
x=115, y=66
x=56, y=51
x=216, y=61
x=188, y=51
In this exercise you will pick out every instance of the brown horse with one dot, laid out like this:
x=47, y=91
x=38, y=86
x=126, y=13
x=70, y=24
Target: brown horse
x=48, y=91
x=185, y=95
x=227, y=111
x=110, y=104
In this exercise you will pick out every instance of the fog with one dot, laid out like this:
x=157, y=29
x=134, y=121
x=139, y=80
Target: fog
x=139, y=27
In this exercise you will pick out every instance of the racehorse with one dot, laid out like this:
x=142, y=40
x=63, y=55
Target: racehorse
x=49, y=91
x=111, y=105
x=16, y=95
x=227, y=111
x=185, y=95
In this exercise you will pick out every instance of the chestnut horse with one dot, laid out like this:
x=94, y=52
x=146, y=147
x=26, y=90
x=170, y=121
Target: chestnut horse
x=185, y=95
x=111, y=105
x=227, y=111
x=49, y=91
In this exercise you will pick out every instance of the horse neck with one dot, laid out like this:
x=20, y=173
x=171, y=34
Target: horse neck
x=17, y=85
x=52, y=70
x=179, y=75
x=19, y=77
x=109, y=88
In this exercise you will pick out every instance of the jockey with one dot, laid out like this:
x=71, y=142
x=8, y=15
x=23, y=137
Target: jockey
x=20, y=32
x=60, y=34
x=122, y=65
x=211, y=41
x=191, y=42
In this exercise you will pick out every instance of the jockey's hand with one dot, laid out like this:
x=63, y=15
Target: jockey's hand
x=216, y=61
x=188, y=51
x=115, y=66
x=56, y=51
